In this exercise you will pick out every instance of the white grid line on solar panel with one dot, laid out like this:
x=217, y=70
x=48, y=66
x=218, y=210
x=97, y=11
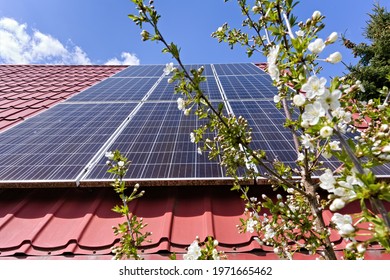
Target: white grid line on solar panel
x=58, y=143
x=118, y=89
x=237, y=69
x=166, y=91
x=247, y=87
x=155, y=139
x=141, y=71
x=268, y=132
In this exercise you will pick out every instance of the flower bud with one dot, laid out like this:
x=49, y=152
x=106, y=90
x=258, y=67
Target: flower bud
x=334, y=58
x=316, y=15
x=332, y=38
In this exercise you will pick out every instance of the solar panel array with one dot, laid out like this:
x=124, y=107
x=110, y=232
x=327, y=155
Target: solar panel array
x=135, y=111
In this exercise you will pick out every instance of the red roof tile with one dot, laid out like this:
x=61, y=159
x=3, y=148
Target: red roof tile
x=25, y=90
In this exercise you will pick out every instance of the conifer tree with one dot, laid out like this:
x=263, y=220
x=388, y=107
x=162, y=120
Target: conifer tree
x=373, y=68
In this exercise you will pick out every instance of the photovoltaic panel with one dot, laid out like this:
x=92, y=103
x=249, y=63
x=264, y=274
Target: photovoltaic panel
x=248, y=87
x=116, y=90
x=69, y=140
x=237, y=69
x=158, y=144
x=141, y=71
x=58, y=143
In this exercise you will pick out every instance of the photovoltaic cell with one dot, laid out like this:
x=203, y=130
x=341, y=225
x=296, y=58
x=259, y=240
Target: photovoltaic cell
x=248, y=87
x=237, y=69
x=116, y=90
x=58, y=143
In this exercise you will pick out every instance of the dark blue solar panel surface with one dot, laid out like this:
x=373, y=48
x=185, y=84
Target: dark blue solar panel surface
x=116, y=89
x=237, y=69
x=248, y=87
x=158, y=144
x=59, y=143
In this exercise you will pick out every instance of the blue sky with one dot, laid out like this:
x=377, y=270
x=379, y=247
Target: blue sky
x=98, y=31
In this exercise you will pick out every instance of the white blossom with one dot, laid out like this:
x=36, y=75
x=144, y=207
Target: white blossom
x=187, y=112
x=192, y=137
x=326, y=131
x=386, y=149
x=277, y=98
x=299, y=100
x=168, y=68
x=343, y=224
x=256, y=9
x=360, y=85
x=334, y=146
x=121, y=163
x=300, y=33
x=215, y=254
x=220, y=29
x=109, y=155
x=194, y=251
x=340, y=113
x=317, y=46
x=250, y=224
x=313, y=112
x=269, y=232
x=301, y=157
x=273, y=71
x=273, y=54
x=314, y=87
x=327, y=180
x=331, y=100
x=346, y=230
x=181, y=104
x=307, y=142
x=334, y=58
x=200, y=151
x=332, y=38
x=361, y=248
x=337, y=204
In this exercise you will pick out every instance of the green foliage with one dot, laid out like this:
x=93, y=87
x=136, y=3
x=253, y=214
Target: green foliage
x=131, y=231
x=374, y=64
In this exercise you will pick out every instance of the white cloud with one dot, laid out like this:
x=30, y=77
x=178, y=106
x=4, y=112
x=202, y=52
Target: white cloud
x=127, y=59
x=18, y=45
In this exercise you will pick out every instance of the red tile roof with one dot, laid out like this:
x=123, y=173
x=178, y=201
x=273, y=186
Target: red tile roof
x=78, y=222
x=26, y=90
